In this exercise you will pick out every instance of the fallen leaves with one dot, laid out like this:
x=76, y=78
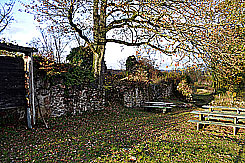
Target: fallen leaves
x=118, y=134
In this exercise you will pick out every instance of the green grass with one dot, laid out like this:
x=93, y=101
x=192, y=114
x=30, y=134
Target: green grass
x=119, y=134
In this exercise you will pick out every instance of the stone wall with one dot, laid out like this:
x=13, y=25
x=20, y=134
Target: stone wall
x=56, y=100
x=136, y=95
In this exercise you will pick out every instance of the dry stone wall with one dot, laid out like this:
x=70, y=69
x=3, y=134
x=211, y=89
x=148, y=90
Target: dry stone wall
x=56, y=100
x=136, y=95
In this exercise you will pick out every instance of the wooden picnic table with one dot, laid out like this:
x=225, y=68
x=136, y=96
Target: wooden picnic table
x=220, y=113
x=163, y=106
x=158, y=107
x=159, y=103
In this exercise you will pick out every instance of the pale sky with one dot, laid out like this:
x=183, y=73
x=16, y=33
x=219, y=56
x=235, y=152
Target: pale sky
x=23, y=30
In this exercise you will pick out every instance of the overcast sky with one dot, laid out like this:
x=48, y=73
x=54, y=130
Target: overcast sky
x=23, y=30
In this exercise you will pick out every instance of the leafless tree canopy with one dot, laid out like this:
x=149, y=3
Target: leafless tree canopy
x=183, y=28
x=51, y=45
x=6, y=14
x=167, y=26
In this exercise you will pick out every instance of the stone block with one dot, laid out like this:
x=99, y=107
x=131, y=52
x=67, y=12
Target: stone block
x=47, y=100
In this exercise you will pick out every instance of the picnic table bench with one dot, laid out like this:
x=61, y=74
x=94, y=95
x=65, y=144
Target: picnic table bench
x=163, y=106
x=224, y=108
x=220, y=115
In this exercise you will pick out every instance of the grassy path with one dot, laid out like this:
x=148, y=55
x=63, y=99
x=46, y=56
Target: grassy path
x=121, y=135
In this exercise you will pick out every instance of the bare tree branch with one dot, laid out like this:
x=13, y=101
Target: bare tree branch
x=79, y=31
x=6, y=15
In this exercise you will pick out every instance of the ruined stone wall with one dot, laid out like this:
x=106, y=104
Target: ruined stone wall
x=136, y=96
x=56, y=100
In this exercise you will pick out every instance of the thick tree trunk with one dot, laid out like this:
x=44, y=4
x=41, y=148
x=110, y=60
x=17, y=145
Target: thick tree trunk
x=97, y=64
x=99, y=31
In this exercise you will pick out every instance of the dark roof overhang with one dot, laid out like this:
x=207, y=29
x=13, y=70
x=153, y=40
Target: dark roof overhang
x=17, y=48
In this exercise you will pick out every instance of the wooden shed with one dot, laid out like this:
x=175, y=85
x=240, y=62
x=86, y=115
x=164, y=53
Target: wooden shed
x=17, y=82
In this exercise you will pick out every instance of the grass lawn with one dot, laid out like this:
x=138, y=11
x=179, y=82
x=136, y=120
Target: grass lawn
x=122, y=135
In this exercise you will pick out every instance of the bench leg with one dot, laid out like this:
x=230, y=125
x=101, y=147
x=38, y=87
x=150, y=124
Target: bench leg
x=199, y=126
x=201, y=118
x=235, y=130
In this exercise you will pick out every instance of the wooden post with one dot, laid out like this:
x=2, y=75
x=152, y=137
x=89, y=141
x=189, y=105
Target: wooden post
x=31, y=112
x=32, y=91
x=28, y=116
x=28, y=112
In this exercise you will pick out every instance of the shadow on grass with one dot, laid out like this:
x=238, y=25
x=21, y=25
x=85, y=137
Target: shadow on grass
x=202, y=99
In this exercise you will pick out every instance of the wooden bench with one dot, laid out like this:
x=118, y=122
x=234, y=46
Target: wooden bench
x=217, y=116
x=164, y=107
x=224, y=108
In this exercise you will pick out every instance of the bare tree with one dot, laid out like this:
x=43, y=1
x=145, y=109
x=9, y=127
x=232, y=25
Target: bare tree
x=6, y=14
x=50, y=44
x=167, y=26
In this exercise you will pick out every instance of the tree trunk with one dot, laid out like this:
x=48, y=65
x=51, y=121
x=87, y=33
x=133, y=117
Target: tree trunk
x=99, y=31
x=97, y=64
